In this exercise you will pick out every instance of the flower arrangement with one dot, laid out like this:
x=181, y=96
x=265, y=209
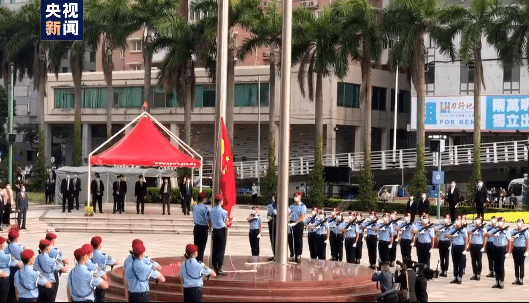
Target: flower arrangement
x=193, y=203
x=89, y=211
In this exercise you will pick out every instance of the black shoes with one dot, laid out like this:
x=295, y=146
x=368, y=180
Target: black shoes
x=221, y=272
x=491, y=275
x=271, y=259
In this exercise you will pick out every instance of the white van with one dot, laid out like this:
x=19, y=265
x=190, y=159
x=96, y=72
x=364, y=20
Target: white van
x=516, y=191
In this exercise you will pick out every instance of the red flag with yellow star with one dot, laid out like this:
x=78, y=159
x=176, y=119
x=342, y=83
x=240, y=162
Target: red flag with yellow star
x=227, y=179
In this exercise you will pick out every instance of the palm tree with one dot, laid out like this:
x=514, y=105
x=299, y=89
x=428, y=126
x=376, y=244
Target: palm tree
x=266, y=31
x=8, y=30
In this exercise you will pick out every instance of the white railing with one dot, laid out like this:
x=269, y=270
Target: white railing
x=496, y=152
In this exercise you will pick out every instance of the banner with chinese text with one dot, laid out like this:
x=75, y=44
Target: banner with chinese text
x=507, y=112
x=61, y=20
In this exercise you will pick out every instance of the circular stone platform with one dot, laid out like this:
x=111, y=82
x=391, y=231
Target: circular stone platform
x=257, y=280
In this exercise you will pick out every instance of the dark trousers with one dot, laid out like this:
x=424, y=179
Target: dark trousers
x=140, y=204
x=67, y=199
x=22, y=215
x=97, y=200
x=193, y=294
x=405, y=248
x=444, y=255
x=187, y=204
x=295, y=240
x=7, y=214
x=393, y=251
x=457, y=260
x=48, y=294
x=75, y=198
x=166, y=200
x=99, y=295
x=383, y=250
x=372, y=249
x=312, y=245
x=116, y=203
x=1, y=214
x=491, y=255
x=423, y=253
x=254, y=199
x=11, y=297
x=138, y=297
x=499, y=263
x=4, y=289
x=200, y=235
x=49, y=197
x=477, y=256
x=219, y=248
x=254, y=242
x=350, y=250
x=272, y=234
x=338, y=247
x=519, y=261
x=55, y=286
x=359, y=246
x=27, y=300
x=321, y=247
x=480, y=210
x=332, y=243
x=453, y=213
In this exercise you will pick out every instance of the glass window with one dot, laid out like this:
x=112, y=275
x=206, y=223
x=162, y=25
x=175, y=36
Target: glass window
x=348, y=95
x=205, y=96
x=511, y=79
x=158, y=97
x=64, y=98
x=92, y=56
x=136, y=45
x=379, y=98
x=467, y=79
x=99, y=131
x=128, y=97
x=247, y=94
x=92, y=98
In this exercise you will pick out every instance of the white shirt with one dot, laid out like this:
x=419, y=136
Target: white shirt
x=255, y=190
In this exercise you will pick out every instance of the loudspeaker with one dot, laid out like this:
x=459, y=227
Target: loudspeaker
x=435, y=145
x=11, y=138
x=335, y=174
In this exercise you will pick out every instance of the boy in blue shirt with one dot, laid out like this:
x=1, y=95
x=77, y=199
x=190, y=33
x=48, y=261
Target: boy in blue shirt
x=192, y=273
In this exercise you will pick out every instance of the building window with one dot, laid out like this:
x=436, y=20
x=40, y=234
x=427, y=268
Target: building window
x=128, y=97
x=348, y=95
x=64, y=69
x=99, y=131
x=378, y=101
x=205, y=96
x=430, y=79
x=135, y=67
x=467, y=79
x=246, y=95
x=511, y=79
x=388, y=43
x=404, y=99
x=161, y=98
x=30, y=155
x=64, y=97
x=92, y=56
x=136, y=45
x=122, y=54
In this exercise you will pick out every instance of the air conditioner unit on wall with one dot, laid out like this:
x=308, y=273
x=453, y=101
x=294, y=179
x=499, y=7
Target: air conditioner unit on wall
x=310, y=4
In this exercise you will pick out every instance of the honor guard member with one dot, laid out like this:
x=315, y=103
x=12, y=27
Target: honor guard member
x=520, y=251
x=310, y=222
x=15, y=250
x=393, y=250
x=477, y=240
x=272, y=223
x=298, y=212
x=444, y=244
x=200, y=218
x=351, y=237
x=82, y=282
x=128, y=261
x=459, y=235
x=372, y=239
x=28, y=280
x=385, y=237
x=138, y=274
x=322, y=236
x=55, y=253
x=502, y=237
x=424, y=234
x=102, y=260
x=91, y=265
x=256, y=226
x=332, y=223
x=360, y=238
x=48, y=267
x=192, y=273
x=217, y=219
x=406, y=236
x=6, y=262
x=341, y=223
x=489, y=244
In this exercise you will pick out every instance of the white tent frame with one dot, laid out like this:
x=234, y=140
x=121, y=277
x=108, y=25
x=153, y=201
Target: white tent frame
x=181, y=143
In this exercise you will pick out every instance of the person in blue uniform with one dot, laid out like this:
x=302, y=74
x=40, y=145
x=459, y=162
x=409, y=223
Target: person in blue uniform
x=385, y=237
x=424, y=235
x=338, y=236
x=138, y=274
x=350, y=231
x=6, y=262
x=200, y=231
x=360, y=239
x=256, y=226
x=459, y=235
x=102, y=260
x=272, y=224
x=332, y=223
x=311, y=221
x=14, y=249
x=444, y=244
x=82, y=282
x=217, y=219
x=55, y=253
x=372, y=238
x=298, y=211
x=322, y=230
x=192, y=273
x=520, y=250
x=477, y=240
x=393, y=250
x=489, y=246
x=406, y=236
x=28, y=280
x=128, y=261
x=502, y=237
x=47, y=266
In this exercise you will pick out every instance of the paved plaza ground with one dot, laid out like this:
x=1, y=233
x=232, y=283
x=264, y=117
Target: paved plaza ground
x=163, y=245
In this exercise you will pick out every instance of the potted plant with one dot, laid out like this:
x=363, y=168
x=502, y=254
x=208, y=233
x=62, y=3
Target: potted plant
x=89, y=211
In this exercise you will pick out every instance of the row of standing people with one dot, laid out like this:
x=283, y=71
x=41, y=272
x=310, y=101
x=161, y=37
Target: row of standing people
x=18, y=199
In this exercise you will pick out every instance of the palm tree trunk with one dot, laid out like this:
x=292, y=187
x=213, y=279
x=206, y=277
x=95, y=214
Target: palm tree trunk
x=188, y=107
x=42, y=73
x=366, y=94
x=478, y=78
x=75, y=65
x=107, y=70
x=319, y=109
x=230, y=102
x=147, y=61
x=272, y=102
x=420, y=87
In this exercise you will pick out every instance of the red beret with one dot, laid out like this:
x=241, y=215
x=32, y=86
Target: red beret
x=88, y=248
x=299, y=193
x=79, y=253
x=51, y=236
x=96, y=241
x=219, y=198
x=13, y=233
x=27, y=254
x=191, y=249
x=136, y=241
x=202, y=195
x=43, y=244
x=2, y=240
x=138, y=249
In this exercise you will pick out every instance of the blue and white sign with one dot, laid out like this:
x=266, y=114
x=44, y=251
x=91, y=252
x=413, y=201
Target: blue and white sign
x=438, y=177
x=446, y=113
x=61, y=20
x=507, y=112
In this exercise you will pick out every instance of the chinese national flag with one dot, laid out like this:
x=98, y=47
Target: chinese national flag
x=227, y=179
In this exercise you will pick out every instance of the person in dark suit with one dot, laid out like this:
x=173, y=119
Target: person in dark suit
x=97, y=188
x=182, y=189
x=141, y=193
x=452, y=198
x=76, y=182
x=49, y=191
x=411, y=208
x=120, y=190
x=424, y=205
x=165, y=195
x=407, y=279
x=480, y=197
x=188, y=196
x=22, y=207
x=66, y=190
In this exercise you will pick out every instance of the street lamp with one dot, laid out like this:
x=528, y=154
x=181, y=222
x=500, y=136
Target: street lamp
x=437, y=144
